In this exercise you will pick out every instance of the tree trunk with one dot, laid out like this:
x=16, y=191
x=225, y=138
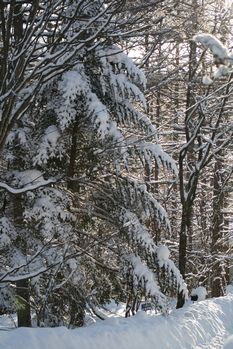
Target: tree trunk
x=72, y=163
x=217, y=287
x=77, y=312
x=22, y=286
x=23, y=299
x=184, y=232
x=185, y=176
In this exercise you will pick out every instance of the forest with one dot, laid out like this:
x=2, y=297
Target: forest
x=116, y=139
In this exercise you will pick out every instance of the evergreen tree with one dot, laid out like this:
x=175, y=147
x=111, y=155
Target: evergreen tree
x=86, y=234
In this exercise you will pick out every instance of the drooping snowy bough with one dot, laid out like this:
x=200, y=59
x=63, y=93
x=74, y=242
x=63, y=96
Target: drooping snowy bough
x=223, y=59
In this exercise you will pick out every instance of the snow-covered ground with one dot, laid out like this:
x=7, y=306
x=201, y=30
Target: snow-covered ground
x=205, y=324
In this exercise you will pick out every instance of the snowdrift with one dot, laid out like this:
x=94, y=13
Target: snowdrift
x=206, y=324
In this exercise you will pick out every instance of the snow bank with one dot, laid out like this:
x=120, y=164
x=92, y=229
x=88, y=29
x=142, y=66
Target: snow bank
x=201, y=325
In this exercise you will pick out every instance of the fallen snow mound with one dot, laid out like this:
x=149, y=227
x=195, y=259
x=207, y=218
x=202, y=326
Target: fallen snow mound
x=201, y=325
x=200, y=292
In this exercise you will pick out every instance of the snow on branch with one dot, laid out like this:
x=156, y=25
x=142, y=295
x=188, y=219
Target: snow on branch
x=213, y=44
x=137, y=198
x=223, y=59
x=137, y=231
x=28, y=187
x=150, y=151
x=114, y=55
x=143, y=276
x=23, y=276
x=49, y=146
x=164, y=261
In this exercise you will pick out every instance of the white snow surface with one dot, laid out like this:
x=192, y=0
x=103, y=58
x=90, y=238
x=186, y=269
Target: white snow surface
x=229, y=343
x=206, y=325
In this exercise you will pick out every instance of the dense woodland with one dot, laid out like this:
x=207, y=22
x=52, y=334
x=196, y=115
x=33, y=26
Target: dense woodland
x=116, y=128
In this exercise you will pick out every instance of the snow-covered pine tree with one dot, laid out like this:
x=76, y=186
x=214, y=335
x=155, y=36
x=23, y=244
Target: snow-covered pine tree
x=87, y=233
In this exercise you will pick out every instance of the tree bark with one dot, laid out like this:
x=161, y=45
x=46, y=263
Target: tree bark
x=22, y=286
x=217, y=288
x=184, y=231
x=23, y=298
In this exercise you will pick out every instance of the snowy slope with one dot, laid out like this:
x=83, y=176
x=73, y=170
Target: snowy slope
x=202, y=325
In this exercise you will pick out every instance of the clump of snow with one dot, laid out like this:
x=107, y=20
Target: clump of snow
x=112, y=309
x=20, y=134
x=212, y=43
x=115, y=55
x=49, y=146
x=206, y=80
x=28, y=176
x=163, y=253
x=73, y=83
x=200, y=292
x=229, y=289
x=221, y=71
